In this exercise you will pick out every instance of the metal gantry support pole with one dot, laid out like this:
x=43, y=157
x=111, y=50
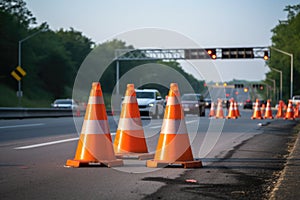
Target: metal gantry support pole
x=280, y=81
x=274, y=87
x=292, y=74
x=117, y=77
x=19, y=81
x=292, y=67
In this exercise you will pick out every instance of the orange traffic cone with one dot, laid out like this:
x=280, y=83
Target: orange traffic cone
x=78, y=113
x=289, y=112
x=297, y=111
x=174, y=146
x=285, y=107
x=130, y=137
x=280, y=112
x=236, y=108
x=95, y=143
x=262, y=109
x=257, y=111
x=268, y=112
x=231, y=112
x=212, y=112
x=220, y=112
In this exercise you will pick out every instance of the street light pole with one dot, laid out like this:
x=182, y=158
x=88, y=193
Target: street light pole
x=274, y=87
x=292, y=66
x=20, y=94
x=280, y=81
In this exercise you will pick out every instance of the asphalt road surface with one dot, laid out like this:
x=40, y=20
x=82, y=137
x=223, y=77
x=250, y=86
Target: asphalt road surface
x=242, y=160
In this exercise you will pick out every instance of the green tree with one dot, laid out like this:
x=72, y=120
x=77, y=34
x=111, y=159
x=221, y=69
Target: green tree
x=18, y=9
x=76, y=44
x=286, y=36
x=15, y=20
x=51, y=58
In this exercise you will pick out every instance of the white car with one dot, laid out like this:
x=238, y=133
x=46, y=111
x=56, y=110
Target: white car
x=296, y=99
x=65, y=103
x=150, y=103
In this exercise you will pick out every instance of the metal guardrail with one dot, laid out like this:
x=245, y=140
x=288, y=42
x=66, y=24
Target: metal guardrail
x=20, y=113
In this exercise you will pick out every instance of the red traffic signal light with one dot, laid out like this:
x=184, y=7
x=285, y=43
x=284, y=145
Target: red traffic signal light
x=212, y=53
x=261, y=87
x=266, y=55
x=258, y=86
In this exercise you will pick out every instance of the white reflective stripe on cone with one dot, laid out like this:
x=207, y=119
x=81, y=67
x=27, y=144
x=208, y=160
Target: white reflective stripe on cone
x=129, y=99
x=96, y=100
x=130, y=124
x=173, y=126
x=95, y=127
x=173, y=101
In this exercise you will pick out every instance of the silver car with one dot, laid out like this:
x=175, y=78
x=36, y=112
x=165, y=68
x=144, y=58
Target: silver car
x=150, y=103
x=65, y=103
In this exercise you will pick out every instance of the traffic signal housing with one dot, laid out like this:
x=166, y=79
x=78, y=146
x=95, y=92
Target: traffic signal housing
x=261, y=87
x=238, y=85
x=212, y=53
x=258, y=86
x=237, y=53
x=266, y=55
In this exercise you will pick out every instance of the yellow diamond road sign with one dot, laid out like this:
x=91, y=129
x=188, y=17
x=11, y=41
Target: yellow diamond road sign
x=18, y=73
x=22, y=72
x=15, y=75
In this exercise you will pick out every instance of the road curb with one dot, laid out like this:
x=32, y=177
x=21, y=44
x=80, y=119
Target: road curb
x=287, y=184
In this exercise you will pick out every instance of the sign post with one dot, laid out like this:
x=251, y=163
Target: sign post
x=18, y=74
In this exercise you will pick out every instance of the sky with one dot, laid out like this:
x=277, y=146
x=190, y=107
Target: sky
x=214, y=23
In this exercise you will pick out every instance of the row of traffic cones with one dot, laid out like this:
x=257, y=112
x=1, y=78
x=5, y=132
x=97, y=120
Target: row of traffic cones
x=95, y=143
x=291, y=112
x=233, y=111
x=260, y=112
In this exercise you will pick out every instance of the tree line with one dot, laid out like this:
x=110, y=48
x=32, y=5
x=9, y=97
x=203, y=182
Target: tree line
x=286, y=37
x=51, y=58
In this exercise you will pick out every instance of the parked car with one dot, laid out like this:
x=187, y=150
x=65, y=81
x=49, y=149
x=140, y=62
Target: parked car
x=65, y=103
x=296, y=99
x=150, y=103
x=225, y=103
x=248, y=104
x=193, y=104
x=207, y=102
x=260, y=103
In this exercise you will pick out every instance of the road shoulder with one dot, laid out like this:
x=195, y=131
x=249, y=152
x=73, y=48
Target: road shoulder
x=287, y=186
x=249, y=171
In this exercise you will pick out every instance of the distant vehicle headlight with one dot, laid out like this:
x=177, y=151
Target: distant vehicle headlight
x=196, y=105
x=151, y=104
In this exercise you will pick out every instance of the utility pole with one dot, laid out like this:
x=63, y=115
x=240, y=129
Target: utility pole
x=292, y=67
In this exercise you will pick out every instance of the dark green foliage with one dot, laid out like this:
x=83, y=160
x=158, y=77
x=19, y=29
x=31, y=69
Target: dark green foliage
x=52, y=58
x=286, y=37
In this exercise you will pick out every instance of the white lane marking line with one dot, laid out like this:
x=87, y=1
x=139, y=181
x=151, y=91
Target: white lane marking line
x=49, y=143
x=22, y=125
x=46, y=143
x=188, y=122
x=153, y=127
